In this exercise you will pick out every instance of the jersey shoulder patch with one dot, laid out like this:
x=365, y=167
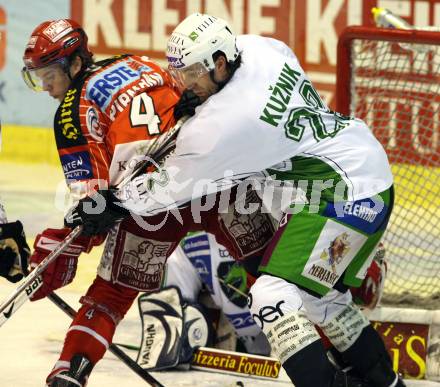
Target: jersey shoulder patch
x=67, y=124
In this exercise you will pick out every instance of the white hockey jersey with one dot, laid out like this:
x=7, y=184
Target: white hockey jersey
x=267, y=115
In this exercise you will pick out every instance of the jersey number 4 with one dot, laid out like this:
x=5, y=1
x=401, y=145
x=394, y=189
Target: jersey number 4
x=142, y=113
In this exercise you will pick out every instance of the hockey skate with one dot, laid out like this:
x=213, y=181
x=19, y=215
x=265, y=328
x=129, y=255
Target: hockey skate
x=80, y=368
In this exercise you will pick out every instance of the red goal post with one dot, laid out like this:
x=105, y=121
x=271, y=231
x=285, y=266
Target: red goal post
x=391, y=79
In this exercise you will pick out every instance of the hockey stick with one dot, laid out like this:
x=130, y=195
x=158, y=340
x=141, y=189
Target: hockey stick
x=120, y=354
x=236, y=290
x=33, y=281
x=158, y=151
x=161, y=148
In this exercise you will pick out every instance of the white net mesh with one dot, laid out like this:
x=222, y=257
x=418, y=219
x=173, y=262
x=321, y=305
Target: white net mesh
x=395, y=88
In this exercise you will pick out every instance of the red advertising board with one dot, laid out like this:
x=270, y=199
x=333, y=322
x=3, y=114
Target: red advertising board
x=406, y=344
x=310, y=27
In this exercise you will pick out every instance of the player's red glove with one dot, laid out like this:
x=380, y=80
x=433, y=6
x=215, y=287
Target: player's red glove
x=369, y=293
x=61, y=272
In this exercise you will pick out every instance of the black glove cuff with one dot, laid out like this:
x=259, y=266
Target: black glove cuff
x=115, y=204
x=12, y=230
x=97, y=222
x=7, y=259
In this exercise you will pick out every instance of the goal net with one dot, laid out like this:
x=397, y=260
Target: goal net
x=391, y=79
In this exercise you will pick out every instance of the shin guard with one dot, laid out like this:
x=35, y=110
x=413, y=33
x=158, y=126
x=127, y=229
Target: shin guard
x=93, y=327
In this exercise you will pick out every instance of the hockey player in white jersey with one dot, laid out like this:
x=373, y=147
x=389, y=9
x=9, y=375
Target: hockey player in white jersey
x=209, y=279
x=261, y=119
x=284, y=128
x=200, y=264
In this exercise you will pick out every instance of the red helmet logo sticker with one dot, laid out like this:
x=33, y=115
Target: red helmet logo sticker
x=32, y=42
x=57, y=29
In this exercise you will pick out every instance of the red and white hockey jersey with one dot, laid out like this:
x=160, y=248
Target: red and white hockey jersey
x=109, y=118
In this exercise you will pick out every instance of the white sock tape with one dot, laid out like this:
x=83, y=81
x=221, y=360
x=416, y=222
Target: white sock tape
x=344, y=329
x=290, y=334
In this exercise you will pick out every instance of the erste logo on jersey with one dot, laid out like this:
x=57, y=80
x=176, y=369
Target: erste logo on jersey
x=93, y=125
x=77, y=166
x=103, y=86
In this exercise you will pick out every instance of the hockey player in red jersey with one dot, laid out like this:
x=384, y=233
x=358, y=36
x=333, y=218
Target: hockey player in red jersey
x=110, y=113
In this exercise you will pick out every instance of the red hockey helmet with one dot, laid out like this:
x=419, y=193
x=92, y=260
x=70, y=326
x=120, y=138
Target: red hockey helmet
x=54, y=42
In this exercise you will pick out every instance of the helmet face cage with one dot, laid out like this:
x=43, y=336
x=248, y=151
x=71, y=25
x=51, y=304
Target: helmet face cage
x=187, y=76
x=53, y=42
x=35, y=79
x=196, y=39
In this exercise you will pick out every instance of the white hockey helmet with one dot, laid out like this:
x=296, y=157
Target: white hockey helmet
x=195, y=40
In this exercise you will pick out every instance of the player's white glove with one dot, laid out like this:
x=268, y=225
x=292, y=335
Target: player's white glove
x=14, y=251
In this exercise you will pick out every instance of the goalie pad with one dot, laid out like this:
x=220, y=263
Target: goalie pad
x=162, y=324
x=197, y=331
x=171, y=330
